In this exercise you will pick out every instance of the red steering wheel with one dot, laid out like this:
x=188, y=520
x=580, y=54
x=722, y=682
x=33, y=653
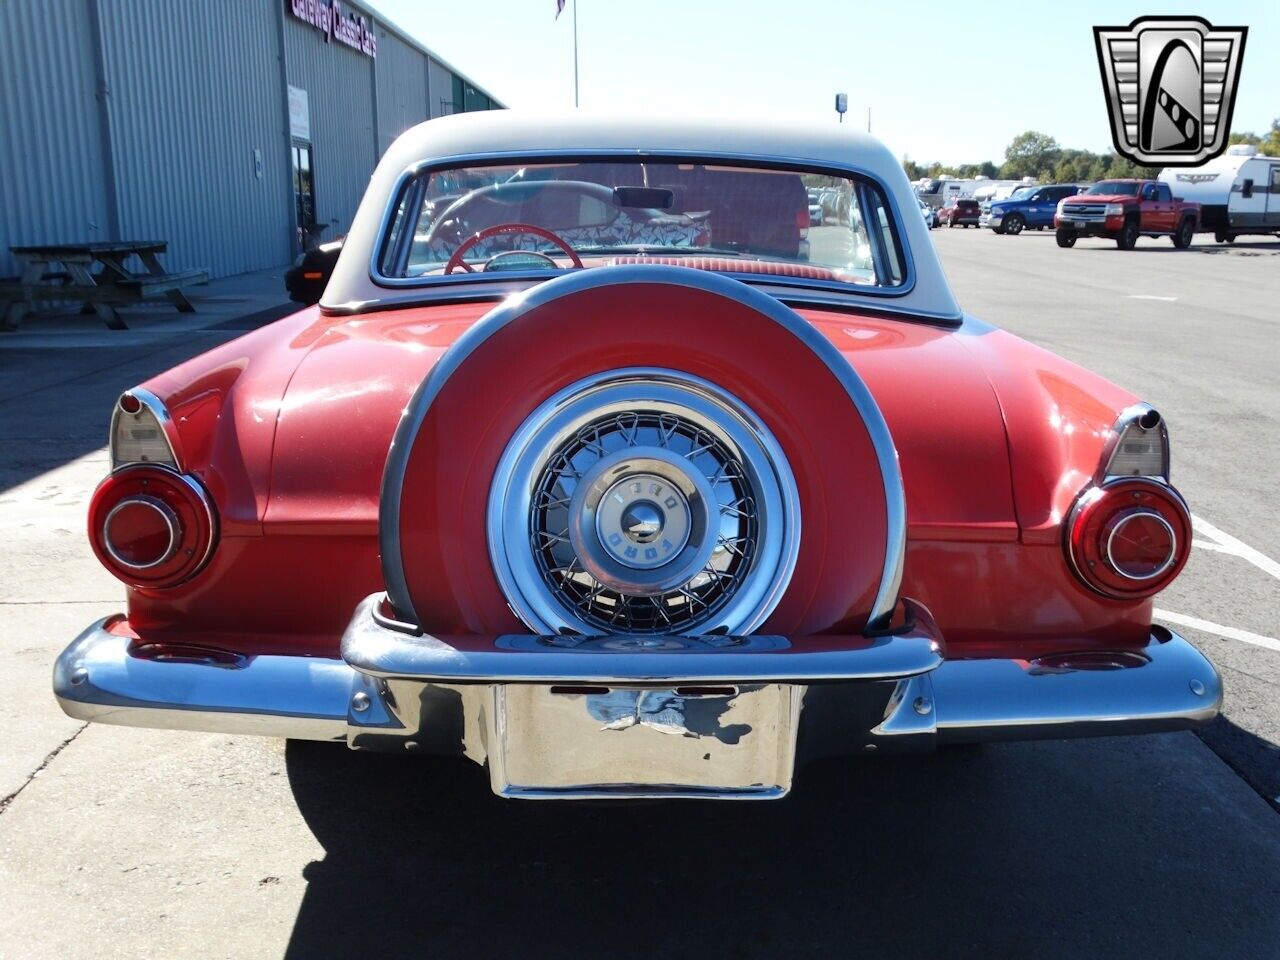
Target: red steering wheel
x=456, y=260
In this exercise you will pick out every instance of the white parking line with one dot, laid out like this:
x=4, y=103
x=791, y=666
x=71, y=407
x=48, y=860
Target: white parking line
x=1195, y=623
x=1151, y=296
x=1225, y=543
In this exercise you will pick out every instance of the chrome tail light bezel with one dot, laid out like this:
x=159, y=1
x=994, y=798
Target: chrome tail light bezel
x=151, y=415
x=1088, y=550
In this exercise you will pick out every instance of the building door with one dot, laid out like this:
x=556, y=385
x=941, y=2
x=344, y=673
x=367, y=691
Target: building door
x=1273, y=198
x=304, y=195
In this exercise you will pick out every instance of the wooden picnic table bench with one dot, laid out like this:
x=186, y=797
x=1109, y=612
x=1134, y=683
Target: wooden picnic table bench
x=66, y=271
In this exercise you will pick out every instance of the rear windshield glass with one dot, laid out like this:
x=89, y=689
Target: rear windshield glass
x=543, y=217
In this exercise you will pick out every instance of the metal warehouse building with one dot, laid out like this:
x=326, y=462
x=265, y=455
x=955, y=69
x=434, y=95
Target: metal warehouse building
x=224, y=127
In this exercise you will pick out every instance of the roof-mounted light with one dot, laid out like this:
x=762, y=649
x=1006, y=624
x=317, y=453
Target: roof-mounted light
x=1139, y=446
x=142, y=431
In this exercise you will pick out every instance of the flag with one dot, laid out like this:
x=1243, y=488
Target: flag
x=559, y=8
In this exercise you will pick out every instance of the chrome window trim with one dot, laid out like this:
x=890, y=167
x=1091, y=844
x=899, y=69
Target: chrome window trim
x=568, y=155
x=168, y=428
x=1129, y=415
x=496, y=291
x=495, y=320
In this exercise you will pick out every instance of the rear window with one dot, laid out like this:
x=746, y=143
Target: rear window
x=539, y=217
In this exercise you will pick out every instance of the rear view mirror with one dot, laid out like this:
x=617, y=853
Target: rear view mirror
x=650, y=198
x=1246, y=191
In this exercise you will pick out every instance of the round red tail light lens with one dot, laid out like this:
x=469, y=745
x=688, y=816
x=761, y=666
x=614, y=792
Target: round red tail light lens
x=141, y=532
x=151, y=526
x=1129, y=538
x=1140, y=544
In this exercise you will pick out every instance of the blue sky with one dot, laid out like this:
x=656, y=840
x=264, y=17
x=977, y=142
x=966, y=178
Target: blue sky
x=945, y=81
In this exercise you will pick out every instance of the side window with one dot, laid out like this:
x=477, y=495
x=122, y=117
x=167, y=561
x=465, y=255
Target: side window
x=886, y=254
x=1163, y=192
x=1275, y=179
x=1149, y=191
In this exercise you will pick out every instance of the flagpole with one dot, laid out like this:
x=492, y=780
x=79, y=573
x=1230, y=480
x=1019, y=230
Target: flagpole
x=575, y=53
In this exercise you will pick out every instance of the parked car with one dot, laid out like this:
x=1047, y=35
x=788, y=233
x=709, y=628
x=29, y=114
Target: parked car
x=1123, y=210
x=930, y=215
x=1030, y=207
x=1235, y=192
x=622, y=518
x=306, y=279
x=815, y=209
x=960, y=213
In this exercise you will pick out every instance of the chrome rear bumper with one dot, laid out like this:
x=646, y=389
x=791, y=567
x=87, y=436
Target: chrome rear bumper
x=715, y=717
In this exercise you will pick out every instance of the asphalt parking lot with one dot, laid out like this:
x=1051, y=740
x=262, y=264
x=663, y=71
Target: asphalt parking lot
x=119, y=842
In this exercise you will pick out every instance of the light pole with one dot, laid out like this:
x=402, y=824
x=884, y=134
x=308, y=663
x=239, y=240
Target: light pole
x=842, y=104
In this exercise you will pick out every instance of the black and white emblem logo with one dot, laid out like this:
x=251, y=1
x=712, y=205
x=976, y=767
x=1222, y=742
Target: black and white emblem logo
x=1171, y=86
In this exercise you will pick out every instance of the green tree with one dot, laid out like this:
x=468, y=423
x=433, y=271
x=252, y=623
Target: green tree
x=1271, y=145
x=1030, y=154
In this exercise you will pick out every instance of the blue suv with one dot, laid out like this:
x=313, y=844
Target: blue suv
x=1027, y=207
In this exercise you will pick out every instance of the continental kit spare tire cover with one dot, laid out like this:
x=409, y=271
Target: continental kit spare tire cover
x=642, y=450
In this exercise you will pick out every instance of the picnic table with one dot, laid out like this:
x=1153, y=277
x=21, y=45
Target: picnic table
x=67, y=272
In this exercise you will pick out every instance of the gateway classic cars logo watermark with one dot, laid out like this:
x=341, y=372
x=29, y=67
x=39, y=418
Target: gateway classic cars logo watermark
x=1171, y=86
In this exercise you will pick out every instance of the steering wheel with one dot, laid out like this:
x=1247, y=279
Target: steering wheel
x=456, y=260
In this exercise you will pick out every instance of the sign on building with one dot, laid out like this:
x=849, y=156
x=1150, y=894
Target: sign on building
x=330, y=19
x=299, y=114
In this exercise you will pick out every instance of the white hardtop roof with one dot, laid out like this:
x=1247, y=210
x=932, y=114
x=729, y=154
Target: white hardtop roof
x=498, y=133
x=502, y=131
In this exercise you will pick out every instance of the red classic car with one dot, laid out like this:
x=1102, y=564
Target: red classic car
x=657, y=511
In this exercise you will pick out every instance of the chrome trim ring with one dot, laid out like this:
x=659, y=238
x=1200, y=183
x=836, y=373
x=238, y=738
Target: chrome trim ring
x=519, y=304
x=166, y=514
x=207, y=511
x=1168, y=561
x=703, y=467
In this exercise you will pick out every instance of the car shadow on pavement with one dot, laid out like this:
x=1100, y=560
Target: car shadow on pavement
x=1125, y=847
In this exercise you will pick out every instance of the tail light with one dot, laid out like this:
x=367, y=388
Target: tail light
x=802, y=221
x=151, y=526
x=142, y=431
x=1129, y=538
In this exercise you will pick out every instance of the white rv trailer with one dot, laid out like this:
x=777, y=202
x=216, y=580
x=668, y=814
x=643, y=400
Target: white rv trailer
x=1238, y=193
x=936, y=191
x=1001, y=189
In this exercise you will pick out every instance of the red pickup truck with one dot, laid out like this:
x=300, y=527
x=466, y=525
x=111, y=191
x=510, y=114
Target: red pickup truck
x=1123, y=210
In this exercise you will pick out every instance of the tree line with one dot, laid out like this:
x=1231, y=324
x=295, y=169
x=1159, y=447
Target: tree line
x=1036, y=154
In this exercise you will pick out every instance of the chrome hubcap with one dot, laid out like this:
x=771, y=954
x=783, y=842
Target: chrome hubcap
x=642, y=522
x=643, y=502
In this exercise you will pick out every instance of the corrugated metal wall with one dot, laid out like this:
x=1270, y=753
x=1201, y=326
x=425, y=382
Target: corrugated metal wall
x=188, y=140
x=339, y=85
x=402, y=88
x=195, y=91
x=440, y=81
x=53, y=175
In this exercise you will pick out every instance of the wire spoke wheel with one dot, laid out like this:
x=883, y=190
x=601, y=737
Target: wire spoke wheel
x=643, y=501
